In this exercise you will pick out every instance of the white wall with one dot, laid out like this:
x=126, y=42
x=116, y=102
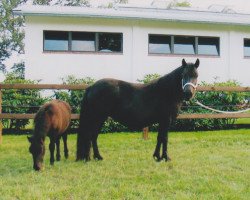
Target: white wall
x=50, y=67
x=135, y=62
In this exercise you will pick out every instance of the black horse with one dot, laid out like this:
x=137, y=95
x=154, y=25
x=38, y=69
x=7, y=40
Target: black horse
x=136, y=106
x=52, y=120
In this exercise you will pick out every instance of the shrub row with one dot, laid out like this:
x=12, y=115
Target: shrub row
x=28, y=101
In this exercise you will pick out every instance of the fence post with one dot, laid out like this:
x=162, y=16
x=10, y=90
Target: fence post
x=1, y=125
x=145, y=133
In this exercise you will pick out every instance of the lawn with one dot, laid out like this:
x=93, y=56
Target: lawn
x=205, y=165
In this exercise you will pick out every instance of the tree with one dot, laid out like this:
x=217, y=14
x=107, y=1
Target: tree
x=62, y=2
x=42, y=2
x=19, y=70
x=11, y=31
x=176, y=3
x=114, y=2
x=73, y=3
x=183, y=4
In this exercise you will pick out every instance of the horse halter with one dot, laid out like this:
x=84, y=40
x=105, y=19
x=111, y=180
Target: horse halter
x=188, y=83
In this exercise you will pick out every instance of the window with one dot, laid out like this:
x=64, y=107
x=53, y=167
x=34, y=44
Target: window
x=247, y=47
x=159, y=44
x=208, y=46
x=187, y=45
x=82, y=41
x=56, y=41
x=110, y=42
x=184, y=45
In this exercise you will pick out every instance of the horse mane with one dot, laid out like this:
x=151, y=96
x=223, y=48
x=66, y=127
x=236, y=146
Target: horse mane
x=171, y=84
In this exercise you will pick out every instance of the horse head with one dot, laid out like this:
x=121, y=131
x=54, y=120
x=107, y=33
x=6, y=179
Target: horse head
x=37, y=149
x=189, y=78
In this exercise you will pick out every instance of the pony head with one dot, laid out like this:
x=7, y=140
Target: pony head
x=189, y=78
x=37, y=149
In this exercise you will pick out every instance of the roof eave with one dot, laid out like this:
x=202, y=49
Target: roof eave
x=123, y=16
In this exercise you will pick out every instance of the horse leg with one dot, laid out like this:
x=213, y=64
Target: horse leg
x=58, y=156
x=164, y=138
x=99, y=125
x=66, y=151
x=156, y=154
x=52, y=149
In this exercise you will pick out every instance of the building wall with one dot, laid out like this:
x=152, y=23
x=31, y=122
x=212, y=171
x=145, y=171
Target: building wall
x=134, y=62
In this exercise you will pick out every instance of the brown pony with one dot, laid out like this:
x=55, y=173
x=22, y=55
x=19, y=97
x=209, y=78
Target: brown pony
x=52, y=120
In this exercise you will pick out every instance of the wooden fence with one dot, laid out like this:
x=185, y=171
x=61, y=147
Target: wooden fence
x=83, y=87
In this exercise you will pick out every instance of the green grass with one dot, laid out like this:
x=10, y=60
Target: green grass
x=205, y=165
x=243, y=121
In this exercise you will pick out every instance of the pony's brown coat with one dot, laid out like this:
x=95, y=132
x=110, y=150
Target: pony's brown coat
x=52, y=120
x=53, y=117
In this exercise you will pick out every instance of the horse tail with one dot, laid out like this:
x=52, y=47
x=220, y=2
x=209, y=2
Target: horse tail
x=84, y=133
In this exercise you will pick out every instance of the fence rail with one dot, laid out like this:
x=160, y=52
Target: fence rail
x=84, y=86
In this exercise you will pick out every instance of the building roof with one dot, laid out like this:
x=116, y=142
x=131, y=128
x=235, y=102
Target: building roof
x=139, y=13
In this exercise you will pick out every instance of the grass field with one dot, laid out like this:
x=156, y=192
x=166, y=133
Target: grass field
x=205, y=165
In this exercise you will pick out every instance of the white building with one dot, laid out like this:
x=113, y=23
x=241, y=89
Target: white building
x=128, y=43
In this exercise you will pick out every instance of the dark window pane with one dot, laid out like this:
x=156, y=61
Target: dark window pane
x=56, y=41
x=246, y=47
x=83, y=41
x=184, y=45
x=208, y=46
x=159, y=44
x=110, y=42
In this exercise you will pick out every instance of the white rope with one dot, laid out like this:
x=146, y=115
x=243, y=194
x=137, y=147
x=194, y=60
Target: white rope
x=220, y=111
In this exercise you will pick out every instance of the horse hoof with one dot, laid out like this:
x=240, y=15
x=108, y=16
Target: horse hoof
x=166, y=158
x=98, y=158
x=86, y=159
x=58, y=158
x=157, y=158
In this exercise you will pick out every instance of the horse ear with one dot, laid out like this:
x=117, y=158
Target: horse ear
x=30, y=139
x=197, y=63
x=184, y=62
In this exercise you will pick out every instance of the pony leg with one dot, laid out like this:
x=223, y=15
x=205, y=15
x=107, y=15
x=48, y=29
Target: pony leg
x=66, y=151
x=58, y=156
x=52, y=149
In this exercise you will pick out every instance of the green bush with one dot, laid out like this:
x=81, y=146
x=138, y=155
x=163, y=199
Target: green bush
x=19, y=101
x=28, y=101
